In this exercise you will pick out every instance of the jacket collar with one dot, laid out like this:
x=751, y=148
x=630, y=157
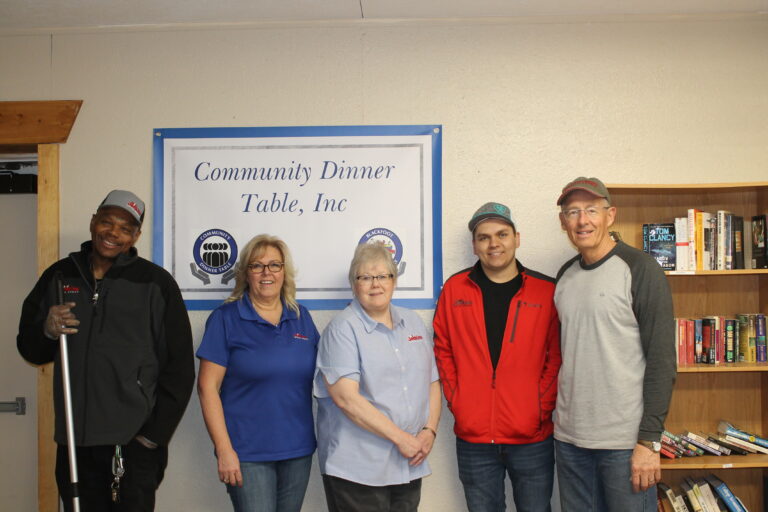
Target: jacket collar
x=476, y=269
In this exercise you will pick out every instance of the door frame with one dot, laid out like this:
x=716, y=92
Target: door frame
x=40, y=127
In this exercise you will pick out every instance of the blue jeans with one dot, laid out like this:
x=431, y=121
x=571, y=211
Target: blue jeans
x=277, y=486
x=599, y=481
x=482, y=469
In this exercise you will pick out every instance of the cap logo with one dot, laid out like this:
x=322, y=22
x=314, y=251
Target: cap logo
x=135, y=208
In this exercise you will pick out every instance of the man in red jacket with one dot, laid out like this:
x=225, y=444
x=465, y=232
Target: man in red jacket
x=497, y=346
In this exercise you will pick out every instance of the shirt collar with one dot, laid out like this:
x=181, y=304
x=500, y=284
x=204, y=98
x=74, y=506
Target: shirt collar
x=368, y=322
x=248, y=312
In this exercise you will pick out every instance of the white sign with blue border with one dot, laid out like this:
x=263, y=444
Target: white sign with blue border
x=323, y=190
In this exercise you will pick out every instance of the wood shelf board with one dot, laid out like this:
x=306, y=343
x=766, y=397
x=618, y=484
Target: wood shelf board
x=684, y=187
x=723, y=367
x=738, y=272
x=37, y=122
x=753, y=460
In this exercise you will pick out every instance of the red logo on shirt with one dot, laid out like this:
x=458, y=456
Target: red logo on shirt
x=415, y=338
x=299, y=336
x=462, y=303
x=68, y=288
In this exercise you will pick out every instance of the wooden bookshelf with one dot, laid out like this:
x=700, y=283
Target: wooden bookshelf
x=704, y=394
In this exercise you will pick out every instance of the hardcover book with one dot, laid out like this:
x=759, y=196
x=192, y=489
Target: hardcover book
x=659, y=242
x=759, y=245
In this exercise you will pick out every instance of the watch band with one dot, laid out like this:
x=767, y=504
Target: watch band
x=654, y=446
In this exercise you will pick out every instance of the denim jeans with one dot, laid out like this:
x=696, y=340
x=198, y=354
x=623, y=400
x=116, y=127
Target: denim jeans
x=277, y=486
x=482, y=469
x=599, y=481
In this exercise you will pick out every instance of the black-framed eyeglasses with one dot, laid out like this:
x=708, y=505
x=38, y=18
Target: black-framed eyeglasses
x=258, y=268
x=381, y=278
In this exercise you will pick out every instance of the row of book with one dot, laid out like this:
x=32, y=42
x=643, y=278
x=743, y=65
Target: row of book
x=707, y=241
x=717, y=339
x=708, y=494
x=728, y=440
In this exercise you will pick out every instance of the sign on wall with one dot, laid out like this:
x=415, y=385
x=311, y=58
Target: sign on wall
x=322, y=190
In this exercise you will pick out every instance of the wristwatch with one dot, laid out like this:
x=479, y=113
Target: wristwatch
x=654, y=446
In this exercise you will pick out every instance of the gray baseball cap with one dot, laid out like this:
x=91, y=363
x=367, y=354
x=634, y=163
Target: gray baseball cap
x=126, y=200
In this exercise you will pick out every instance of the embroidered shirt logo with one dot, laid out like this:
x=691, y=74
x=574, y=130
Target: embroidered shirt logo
x=68, y=288
x=415, y=337
x=299, y=336
x=462, y=303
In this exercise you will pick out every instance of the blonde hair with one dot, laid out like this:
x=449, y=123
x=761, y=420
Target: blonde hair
x=368, y=252
x=256, y=248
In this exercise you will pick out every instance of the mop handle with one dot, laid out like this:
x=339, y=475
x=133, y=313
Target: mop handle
x=64, y=353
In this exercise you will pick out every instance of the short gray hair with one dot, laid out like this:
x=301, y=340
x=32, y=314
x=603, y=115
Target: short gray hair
x=369, y=252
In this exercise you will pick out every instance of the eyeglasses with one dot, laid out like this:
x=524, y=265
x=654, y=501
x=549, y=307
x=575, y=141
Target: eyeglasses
x=592, y=212
x=381, y=278
x=258, y=268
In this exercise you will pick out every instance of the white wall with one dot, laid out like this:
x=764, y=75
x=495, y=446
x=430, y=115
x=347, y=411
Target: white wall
x=525, y=107
x=18, y=433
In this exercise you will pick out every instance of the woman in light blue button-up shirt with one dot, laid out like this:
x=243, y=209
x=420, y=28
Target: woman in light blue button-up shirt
x=378, y=395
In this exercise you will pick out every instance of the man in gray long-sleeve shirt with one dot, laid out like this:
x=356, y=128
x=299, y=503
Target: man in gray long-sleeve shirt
x=618, y=349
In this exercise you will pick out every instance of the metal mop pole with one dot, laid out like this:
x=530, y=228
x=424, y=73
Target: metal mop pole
x=64, y=353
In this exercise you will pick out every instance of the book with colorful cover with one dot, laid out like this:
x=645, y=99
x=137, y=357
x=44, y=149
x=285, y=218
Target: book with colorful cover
x=693, y=258
x=726, y=428
x=730, y=339
x=698, y=340
x=759, y=242
x=760, y=352
x=659, y=243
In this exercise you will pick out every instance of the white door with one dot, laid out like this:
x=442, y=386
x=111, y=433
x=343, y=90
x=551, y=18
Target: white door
x=18, y=434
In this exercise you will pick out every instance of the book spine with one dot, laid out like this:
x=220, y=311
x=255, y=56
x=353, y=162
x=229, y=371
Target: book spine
x=752, y=333
x=728, y=241
x=720, y=240
x=690, y=342
x=730, y=339
x=738, y=242
x=759, y=242
x=698, y=340
x=760, y=338
x=745, y=436
x=691, y=220
x=681, y=244
x=728, y=498
x=701, y=445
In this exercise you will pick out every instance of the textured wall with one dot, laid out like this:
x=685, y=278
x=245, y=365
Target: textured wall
x=525, y=107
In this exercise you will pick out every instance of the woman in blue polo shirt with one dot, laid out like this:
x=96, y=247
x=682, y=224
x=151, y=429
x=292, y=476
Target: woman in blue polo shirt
x=257, y=360
x=378, y=395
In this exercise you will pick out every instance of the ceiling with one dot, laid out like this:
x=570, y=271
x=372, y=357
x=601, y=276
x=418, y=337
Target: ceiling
x=22, y=15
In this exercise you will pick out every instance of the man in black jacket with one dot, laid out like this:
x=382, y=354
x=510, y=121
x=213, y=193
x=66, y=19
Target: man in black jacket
x=130, y=358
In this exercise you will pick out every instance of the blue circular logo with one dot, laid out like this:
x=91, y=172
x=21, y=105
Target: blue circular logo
x=215, y=251
x=386, y=237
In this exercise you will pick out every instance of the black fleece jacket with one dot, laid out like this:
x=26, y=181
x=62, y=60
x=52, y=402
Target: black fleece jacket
x=131, y=362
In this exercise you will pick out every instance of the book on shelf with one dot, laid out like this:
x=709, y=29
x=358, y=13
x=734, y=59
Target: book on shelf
x=681, y=244
x=747, y=243
x=738, y=242
x=759, y=242
x=721, y=250
x=659, y=243
x=760, y=348
x=731, y=431
x=687, y=487
x=708, y=496
x=722, y=441
x=703, y=443
x=732, y=503
x=668, y=499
